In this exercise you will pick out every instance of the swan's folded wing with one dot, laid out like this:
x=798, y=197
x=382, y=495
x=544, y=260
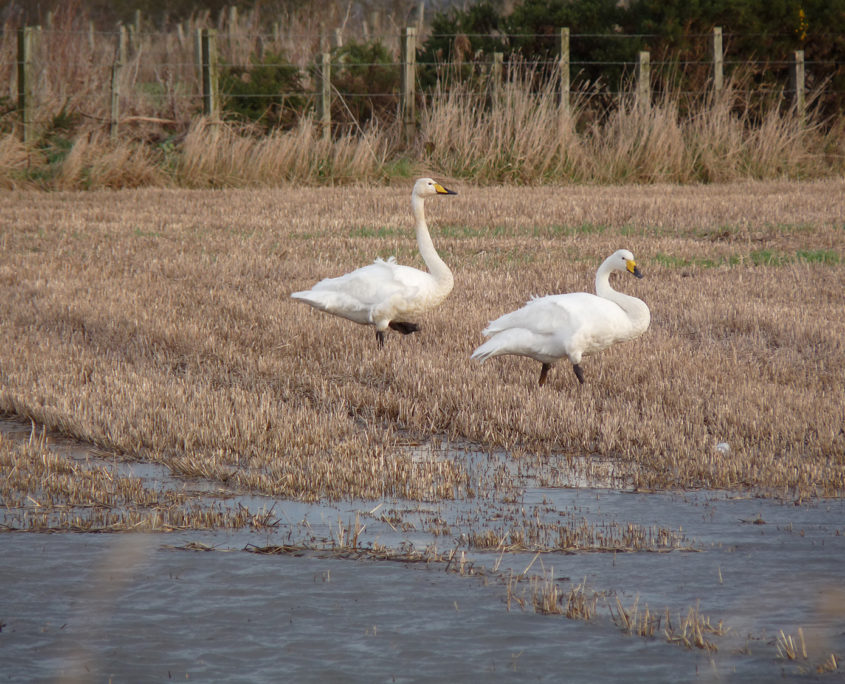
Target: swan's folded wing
x=363, y=293
x=544, y=315
x=367, y=285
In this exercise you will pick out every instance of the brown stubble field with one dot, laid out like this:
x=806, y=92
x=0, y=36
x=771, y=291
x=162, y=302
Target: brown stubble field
x=156, y=323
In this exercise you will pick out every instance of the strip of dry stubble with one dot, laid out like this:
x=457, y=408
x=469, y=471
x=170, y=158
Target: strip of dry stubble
x=158, y=323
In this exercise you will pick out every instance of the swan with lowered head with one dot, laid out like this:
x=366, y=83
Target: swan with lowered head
x=385, y=294
x=570, y=325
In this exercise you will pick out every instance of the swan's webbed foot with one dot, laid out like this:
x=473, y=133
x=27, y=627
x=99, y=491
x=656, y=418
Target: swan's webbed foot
x=579, y=372
x=380, y=338
x=403, y=327
x=544, y=371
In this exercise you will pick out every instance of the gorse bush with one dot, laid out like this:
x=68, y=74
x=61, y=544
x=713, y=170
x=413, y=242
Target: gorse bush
x=268, y=91
x=366, y=77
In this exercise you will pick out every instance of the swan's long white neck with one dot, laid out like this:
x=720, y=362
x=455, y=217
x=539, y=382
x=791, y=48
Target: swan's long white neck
x=436, y=266
x=636, y=309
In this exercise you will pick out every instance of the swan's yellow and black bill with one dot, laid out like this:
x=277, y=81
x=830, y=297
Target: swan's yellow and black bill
x=443, y=191
x=632, y=268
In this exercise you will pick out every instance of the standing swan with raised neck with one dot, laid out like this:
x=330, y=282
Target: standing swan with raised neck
x=570, y=325
x=386, y=294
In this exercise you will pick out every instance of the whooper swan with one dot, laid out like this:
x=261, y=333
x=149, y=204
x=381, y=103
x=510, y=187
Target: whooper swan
x=385, y=294
x=572, y=325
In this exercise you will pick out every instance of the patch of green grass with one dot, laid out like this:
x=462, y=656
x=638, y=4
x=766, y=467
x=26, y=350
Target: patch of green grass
x=791, y=228
x=137, y=232
x=767, y=257
x=828, y=257
x=760, y=257
x=399, y=168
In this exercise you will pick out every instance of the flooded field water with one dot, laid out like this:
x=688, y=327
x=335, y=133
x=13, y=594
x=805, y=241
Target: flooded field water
x=149, y=607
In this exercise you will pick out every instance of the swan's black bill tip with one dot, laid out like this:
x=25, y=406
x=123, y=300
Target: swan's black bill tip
x=637, y=272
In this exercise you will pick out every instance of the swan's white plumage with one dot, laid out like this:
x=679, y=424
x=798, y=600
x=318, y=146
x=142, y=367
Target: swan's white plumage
x=570, y=325
x=384, y=291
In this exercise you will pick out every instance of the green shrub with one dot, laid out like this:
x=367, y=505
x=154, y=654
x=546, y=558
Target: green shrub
x=268, y=91
x=367, y=76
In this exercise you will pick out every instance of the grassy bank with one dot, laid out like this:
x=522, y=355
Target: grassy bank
x=157, y=323
x=521, y=139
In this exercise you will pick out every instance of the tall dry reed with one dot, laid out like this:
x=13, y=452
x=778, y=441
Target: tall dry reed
x=508, y=133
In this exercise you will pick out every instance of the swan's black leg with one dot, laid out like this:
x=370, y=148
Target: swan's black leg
x=544, y=371
x=579, y=373
x=403, y=327
x=380, y=338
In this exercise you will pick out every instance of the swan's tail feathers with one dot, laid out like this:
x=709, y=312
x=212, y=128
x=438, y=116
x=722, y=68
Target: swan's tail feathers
x=325, y=301
x=513, y=341
x=403, y=327
x=337, y=303
x=485, y=351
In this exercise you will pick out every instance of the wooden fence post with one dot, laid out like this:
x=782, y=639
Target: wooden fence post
x=644, y=80
x=26, y=44
x=210, y=81
x=122, y=44
x=326, y=95
x=409, y=80
x=496, y=72
x=135, y=32
x=232, y=24
x=114, y=108
x=198, y=55
x=797, y=80
x=718, y=58
x=563, y=68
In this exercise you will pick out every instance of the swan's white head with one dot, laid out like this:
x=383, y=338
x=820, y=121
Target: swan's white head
x=623, y=260
x=427, y=187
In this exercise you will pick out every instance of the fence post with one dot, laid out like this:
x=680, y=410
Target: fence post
x=717, y=55
x=26, y=40
x=326, y=95
x=114, y=108
x=210, y=99
x=232, y=23
x=563, y=68
x=122, y=44
x=496, y=71
x=409, y=80
x=644, y=80
x=198, y=55
x=797, y=80
x=136, y=31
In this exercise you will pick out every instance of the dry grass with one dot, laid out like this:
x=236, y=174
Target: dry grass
x=635, y=620
x=511, y=135
x=157, y=323
x=693, y=631
x=43, y=491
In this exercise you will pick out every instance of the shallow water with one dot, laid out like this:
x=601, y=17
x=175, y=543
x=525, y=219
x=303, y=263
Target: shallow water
x=88, y=607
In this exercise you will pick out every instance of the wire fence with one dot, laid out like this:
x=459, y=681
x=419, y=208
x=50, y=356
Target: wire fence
x=130, y=75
